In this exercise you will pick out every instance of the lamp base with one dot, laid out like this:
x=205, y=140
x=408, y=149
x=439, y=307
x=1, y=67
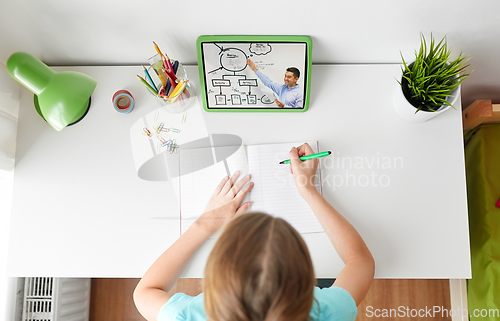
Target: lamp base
x=37, y=107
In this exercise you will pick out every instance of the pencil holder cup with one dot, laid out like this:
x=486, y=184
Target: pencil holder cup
x=178, y=95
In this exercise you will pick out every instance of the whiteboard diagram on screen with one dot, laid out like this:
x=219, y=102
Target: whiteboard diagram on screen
x=229, y=80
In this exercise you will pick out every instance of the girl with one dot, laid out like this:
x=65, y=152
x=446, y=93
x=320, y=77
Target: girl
x=260, y=268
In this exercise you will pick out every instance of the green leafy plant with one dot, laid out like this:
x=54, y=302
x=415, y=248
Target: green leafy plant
x=431, y=78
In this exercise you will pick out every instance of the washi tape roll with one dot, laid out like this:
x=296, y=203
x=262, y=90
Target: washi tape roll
x=123, y=102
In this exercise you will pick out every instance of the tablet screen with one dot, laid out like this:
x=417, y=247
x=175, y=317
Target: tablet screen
x=254, y=75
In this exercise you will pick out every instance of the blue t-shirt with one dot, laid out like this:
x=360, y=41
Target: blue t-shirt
x=335, y=304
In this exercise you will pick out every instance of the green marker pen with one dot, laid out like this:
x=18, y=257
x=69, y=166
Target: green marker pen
x=303, y=158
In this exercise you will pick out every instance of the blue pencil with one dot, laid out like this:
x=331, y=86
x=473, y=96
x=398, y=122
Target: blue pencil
x=149, y=78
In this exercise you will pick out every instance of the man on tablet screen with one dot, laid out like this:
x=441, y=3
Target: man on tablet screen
x=290, y=94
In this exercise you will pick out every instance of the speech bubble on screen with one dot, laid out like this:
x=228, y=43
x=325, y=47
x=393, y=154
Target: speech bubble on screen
x=260, y=48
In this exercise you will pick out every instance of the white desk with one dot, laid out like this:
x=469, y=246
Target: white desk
x=79, y=209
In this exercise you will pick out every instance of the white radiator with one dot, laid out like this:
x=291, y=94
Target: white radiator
x=56, y=299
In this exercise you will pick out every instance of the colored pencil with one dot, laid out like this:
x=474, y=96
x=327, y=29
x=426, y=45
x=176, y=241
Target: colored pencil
x=170, y=79
x=147, y=85
x=149, y=78
x=179, y=88
x=157, y=49
x=165, y=58
x=176, y=66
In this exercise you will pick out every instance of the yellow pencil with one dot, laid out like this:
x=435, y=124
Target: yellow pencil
x=176, y=89
x=179, y=88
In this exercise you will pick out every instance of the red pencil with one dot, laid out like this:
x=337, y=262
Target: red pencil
x=173, y=81
x=167, y=62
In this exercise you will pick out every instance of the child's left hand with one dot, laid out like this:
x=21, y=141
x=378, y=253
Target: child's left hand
x=225, y=202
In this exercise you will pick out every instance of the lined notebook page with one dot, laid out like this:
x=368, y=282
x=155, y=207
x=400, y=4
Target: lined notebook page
x=275, y=192
x=200, y=176
x=274, y=189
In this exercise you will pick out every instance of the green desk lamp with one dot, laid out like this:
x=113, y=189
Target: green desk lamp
x=61, y=98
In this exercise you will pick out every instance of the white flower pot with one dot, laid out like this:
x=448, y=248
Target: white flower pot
x=407, y=111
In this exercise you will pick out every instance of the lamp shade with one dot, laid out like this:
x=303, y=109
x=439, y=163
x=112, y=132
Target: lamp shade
x=63, y=98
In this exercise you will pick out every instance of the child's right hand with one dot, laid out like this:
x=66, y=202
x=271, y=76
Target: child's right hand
x=304, y=172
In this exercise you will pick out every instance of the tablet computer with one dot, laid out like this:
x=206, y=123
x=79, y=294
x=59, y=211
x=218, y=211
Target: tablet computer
x=255, y=73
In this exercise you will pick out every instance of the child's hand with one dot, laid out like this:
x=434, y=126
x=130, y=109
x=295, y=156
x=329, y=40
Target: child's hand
x=225, y=202
x=304, y=172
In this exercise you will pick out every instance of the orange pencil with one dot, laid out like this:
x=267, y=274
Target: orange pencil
x=164, y=57
x=157, y=49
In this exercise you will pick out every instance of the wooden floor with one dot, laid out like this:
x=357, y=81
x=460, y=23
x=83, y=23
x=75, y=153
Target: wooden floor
x=411, y=294
x=111, y=299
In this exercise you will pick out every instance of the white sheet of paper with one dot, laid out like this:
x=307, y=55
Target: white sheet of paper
x=275, y=192
x=196, y=188
x=274, y=189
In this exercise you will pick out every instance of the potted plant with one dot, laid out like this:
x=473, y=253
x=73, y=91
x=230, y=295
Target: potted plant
x=429, y=85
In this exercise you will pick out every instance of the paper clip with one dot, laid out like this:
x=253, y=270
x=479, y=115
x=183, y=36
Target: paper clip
x=174, y=130
x=165, y=144
x=156, y=115
x=161, y=139
x=184, y=117
x=173, y=147
x=147, y=132
x=160, y=127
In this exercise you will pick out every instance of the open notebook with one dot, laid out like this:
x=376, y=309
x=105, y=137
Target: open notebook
x=274, y=191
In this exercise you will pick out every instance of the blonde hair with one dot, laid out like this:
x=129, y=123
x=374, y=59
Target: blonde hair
x=259, y=269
